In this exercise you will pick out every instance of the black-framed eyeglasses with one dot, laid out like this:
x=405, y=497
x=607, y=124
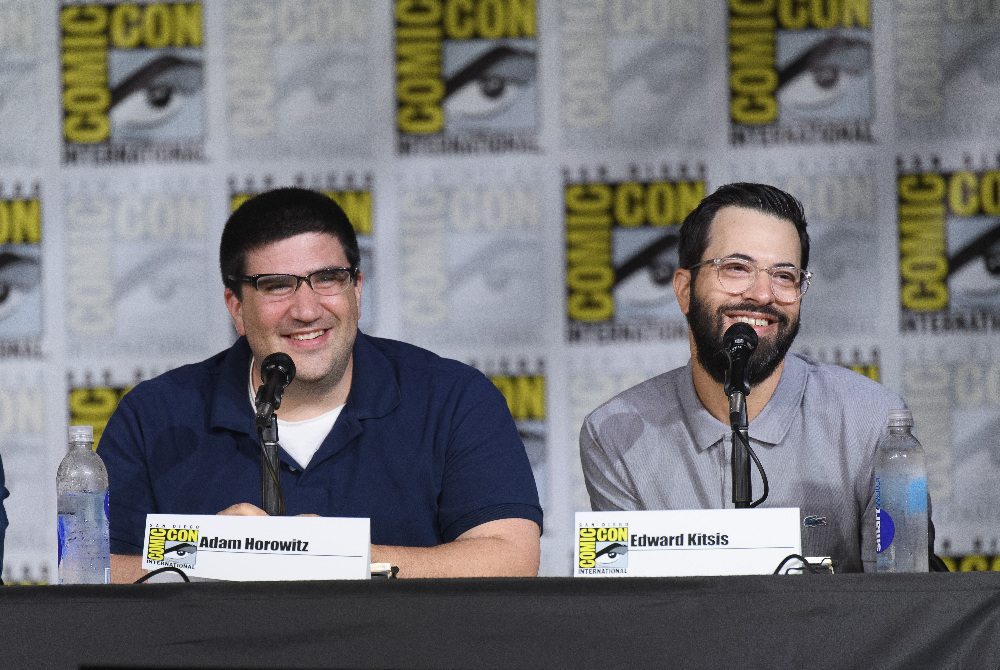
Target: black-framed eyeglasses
x=737, y=275
x=328, y=281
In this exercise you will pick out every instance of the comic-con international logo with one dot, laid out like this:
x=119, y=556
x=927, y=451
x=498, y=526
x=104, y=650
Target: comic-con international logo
x=466, y=73
x=93, y=405
x=603, y=549
x=132, y=82
x=949, y=249
x=621, y=254
x=20, y=270
x=800, y=72
x=173, y=546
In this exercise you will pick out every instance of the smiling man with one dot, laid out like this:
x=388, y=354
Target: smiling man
x=423, y=446
x=666, y=443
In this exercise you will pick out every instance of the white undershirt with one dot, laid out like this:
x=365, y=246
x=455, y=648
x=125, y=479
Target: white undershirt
x=300, y=439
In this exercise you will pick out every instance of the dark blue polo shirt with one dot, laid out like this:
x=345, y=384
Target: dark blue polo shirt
x=425, y=447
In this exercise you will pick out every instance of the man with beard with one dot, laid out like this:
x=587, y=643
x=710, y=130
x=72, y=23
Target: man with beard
x=666, y=443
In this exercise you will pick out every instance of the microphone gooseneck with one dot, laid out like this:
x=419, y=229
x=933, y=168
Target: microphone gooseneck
x=739, y=342
x=276, y=372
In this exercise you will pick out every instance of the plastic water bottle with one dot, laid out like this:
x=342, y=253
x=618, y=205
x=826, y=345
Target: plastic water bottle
x=900, y=498
x=82, y=503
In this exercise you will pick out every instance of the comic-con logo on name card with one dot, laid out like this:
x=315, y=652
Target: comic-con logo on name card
x=20, y=270
x=466, y=76
x=949, y=245
x=177, y=547
x=132, y=82
x=800, y=72
x=621, y=252
x=602, y=550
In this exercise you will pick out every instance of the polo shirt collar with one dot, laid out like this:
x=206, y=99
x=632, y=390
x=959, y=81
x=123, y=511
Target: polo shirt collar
x=769, y=427
x=230, y=406
x=374, y=389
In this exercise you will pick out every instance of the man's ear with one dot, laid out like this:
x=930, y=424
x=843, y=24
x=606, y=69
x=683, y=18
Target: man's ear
x=235, y=308
x=682, y=288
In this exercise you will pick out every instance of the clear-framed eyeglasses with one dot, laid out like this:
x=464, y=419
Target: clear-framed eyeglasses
x=737, y=275
x=329, y=281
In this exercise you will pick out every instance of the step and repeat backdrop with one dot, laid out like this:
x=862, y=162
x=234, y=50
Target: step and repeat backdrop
x=516, y=171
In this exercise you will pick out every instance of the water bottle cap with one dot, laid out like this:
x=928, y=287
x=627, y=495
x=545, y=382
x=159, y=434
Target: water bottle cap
x=81, y=433
x=900, y=417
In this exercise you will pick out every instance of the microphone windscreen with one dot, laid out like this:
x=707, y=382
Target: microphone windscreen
x=740, y=335
x=280, y=363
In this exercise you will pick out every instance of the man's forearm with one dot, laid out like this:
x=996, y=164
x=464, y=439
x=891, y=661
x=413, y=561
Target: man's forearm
x=504, y=548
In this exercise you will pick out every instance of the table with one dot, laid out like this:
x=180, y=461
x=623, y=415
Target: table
x=809, y=621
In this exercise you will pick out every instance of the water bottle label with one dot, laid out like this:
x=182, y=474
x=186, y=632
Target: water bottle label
x=916, y=496
x=885, y=530
x=62, y=539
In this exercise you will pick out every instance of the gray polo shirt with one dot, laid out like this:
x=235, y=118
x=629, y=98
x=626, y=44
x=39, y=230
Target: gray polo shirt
x=655, y=446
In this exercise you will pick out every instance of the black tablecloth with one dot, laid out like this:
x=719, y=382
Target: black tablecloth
x=808, y=621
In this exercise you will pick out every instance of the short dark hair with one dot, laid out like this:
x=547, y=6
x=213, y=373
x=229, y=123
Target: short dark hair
x=276, y=215
x=760, y=197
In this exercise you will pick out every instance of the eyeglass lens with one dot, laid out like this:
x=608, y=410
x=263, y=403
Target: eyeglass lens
x=736, y=276
x=324, y=282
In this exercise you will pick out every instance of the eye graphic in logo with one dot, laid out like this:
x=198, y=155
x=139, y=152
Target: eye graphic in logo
x=328, y=84
x=493, y=264
x=180, y=551
x=659, y=257
x=612, y=554
x=825, y=73
x=489, y=84
x=643, y=285
x=19, y=276
x=665, y=67
x=981, y=55
x=166, y=274
x=985, y=246
x=842, y=254
x=154, y=93
x=974, y=265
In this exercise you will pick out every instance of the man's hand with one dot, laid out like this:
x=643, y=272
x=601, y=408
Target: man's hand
x=242, y=509
x=501, y=548
x=246, y=509
x=125, y=568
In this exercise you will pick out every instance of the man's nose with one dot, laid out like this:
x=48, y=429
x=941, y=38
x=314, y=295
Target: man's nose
x=306, y=303
x=760, y=291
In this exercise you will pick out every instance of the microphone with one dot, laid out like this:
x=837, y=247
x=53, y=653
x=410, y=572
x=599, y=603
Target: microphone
x=739, y=342
x=276, y=372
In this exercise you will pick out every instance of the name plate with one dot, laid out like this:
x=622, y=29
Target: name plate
x=258, y=548
x=676, y=543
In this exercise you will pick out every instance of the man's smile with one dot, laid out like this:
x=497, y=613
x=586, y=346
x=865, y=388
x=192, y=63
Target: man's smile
x=309, y=335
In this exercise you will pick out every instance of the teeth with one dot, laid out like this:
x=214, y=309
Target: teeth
x=308, y=336
x=752, y=322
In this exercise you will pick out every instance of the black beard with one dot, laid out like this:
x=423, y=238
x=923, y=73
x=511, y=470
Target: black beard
x=706, y=329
